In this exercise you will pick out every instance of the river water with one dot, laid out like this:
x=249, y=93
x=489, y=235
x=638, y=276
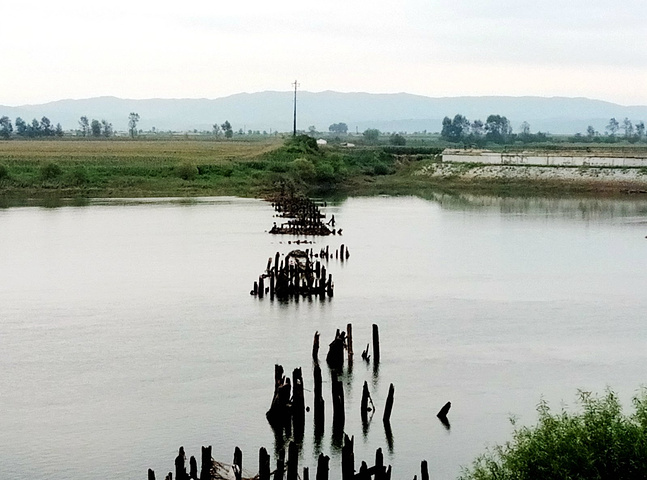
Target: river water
x=127, y=328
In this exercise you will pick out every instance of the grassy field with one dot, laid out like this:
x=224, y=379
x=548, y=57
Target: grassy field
x=85, y=168
x=129, y=168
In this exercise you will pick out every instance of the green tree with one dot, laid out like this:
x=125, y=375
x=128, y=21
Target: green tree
x=628, y=128
x=590, y=132
x=107, y=128
x=95, y=128
x=58, y=131
x=371, y=135
x=613, y=127
x=46, y=127
x=216, y=129
x=498, y=129
x=339, y=128
x=397, y=139
x=5, y=127
x=133, y=119
x=33, y=130
x=455, y=130
x=640, y=129
x=84, y=123
x=226, y=127
x=21, y=127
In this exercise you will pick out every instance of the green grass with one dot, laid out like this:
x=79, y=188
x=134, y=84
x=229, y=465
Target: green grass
x=599, y=442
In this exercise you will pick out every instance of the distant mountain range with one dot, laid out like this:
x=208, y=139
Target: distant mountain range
x=272, y=111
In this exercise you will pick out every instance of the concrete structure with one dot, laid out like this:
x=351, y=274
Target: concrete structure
x=547, y=159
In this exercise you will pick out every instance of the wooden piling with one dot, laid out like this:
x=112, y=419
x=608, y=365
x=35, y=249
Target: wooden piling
x=338, y=414
x=341, y=252
x=293, y=462
x=306, y=473
x=263, y=464
x=261, y=287
x=322, y=467
x=151, y=474
x=238, y=463
x=180, y=465
x=376, y=344
x=207, y=461
x=380, y=471
x=349, y=341
x=280, y=465
x=424, y=470
x=298, y=404
x=315, y=348
x=389, y=405
x=193, y=468
x=318, y=401
x=347, y=459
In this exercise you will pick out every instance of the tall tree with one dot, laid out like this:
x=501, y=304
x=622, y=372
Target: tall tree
x=640, y=129
x=371, y=135
x=498, y=128
x=84, y=123
x=21, y=127
x=590, y=132
x=5, y=127
x=46, y=127
x=133, y=119
x=226, y=127
x=628, y=127
x=107, y=128
x=612, y=127
x=216, y=129
x=95, y=128
x=58, y=131
x=340, y=128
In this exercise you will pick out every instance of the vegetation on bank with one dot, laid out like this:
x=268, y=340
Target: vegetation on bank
x=598, y=442
x=112, y=167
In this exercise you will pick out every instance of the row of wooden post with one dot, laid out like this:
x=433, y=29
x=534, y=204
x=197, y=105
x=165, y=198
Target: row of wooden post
x=378, y=471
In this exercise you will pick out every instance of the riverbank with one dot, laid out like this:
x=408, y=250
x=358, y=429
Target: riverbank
x=109, y=168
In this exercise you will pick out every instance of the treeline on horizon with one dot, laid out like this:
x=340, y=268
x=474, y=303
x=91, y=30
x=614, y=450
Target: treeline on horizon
x=497, y=129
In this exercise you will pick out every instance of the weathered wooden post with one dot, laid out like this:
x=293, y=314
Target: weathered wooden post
x=298, y=404
x=263, y=464
x=322, y=467
x=389, y=405
x=272, y=286
x=380, y=471
x=315, y=348
x=347, y=459
x=376, y=344
x=335, y=357
x=261, y=287
x=238, y=463
x=255, y=289
x=207, y=462
x=424, y=470
x=276, y=264
x=280, y=465
x=193, y=468
x=293, y=461
x=444, y=411
x=341, y=252
x=329, y=286
x=319, y=401
x=151, y=474
x=363, y=472
x=306, y=473
x=349, y=342
x=180, y=467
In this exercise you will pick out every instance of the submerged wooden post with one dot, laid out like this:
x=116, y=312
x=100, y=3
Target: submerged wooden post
x=280, y=465
x=445, y=410
x=376, y=344
x=306, y=473
x=263, y=464
x=319, y=401
x=180, y=467
x=298, y=404
x=293, y=462
x=424, y=470
x=322, y=467
x=349, y=341
x=261, y=287
x=207, y=462
x=380, y=471
x=238, y=463
x=151, y=474
x=341, y=252
x=315, y=348
x=347, y=459
x=193, y=468
x=272, y=286
x=389, y=405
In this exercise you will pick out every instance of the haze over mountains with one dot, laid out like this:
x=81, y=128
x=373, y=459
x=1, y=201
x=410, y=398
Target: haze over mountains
x=272, y=111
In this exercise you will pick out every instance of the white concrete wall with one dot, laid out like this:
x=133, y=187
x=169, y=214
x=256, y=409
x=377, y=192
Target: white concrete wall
x=531, y=158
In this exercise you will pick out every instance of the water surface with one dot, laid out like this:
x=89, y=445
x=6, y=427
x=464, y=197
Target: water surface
x=127, y=328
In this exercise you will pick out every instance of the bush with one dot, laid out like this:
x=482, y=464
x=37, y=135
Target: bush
x=304, y=169
x=187, y=171
x=4, y=172
x=78, y=175
x=50, y=170
x=398, y=140
x=600, y=443
x=325, y=172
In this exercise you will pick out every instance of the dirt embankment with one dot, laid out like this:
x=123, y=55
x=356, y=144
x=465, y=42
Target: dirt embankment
x=589, y=178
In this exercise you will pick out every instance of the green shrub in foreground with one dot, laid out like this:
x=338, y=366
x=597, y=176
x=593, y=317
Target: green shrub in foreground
x=4, y=172
x=598, y=443
x=50, y=170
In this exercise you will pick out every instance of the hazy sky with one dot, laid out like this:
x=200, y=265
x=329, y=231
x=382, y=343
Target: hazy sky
x=194, y=49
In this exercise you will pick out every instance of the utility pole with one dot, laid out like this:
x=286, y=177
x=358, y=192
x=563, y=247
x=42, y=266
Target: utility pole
x=294, y=131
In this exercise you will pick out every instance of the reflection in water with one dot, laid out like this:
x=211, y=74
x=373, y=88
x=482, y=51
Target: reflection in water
x=445, y=422
x=388, y=434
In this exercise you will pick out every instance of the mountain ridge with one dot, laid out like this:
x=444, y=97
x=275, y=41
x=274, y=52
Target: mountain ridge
x=272, y=111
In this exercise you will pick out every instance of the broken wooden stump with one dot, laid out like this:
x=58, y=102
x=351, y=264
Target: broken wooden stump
x=180, y=465
x=319, y=402
x=280, y=465
x=315, y=348
x=151, y=474
x=323, y=467
x=424, y=470
x=263, y=464
x=206, y=462
x=298, y=407
x=193, y=468
x=389, y=405
x=349, y=342
x=335, y=357
x=376, y=344
x=293, y=462
x=347, y=459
